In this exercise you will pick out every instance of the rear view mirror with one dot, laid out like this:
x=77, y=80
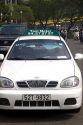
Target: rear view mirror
x=1, y=57
x=78, y=56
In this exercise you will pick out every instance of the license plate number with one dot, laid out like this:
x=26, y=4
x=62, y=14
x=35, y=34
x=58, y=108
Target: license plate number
x=38, y=97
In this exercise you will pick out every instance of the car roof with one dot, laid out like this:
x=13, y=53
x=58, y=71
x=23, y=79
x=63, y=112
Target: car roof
x=39, y=37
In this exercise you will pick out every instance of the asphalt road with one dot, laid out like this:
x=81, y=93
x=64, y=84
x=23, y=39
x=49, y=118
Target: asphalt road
x=46, y=117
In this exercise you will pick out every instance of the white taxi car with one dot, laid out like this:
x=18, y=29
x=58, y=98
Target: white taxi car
x=40, y=73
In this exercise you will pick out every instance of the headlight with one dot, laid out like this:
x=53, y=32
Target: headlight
x=6, y=83
x=70, y=82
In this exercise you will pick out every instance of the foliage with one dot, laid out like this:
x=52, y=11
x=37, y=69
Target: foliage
x=4, y=12
x=22, y=13
x=57, y=10
x=43, y=10
x=40, y=10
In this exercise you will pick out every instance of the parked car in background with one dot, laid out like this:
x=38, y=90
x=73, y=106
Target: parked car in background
x=8, y=33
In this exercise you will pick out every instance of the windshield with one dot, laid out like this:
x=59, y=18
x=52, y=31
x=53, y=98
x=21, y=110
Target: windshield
x=12, y=30
x=39, y=50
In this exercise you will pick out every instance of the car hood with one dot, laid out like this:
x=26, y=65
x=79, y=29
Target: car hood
x=28, y=70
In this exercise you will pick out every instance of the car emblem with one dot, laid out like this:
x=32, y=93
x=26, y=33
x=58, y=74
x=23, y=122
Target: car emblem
x=36, y=77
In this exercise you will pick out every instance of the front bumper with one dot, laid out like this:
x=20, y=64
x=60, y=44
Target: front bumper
x=60, y=99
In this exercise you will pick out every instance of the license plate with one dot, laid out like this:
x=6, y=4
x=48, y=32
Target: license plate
x=38, y=97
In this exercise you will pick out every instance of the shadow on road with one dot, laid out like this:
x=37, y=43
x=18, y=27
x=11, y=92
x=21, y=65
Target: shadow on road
x=33, y=116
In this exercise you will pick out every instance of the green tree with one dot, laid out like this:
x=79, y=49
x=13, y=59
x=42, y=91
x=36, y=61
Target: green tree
x=41, y=10
x=80, y=6
x=57, y=10
x=71, y=11
x=22, y=14
x=4, y=13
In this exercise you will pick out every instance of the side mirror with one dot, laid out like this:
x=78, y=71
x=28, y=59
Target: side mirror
x=1, y=57
x=78, y=56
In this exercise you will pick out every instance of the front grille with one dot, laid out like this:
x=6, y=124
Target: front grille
x=52, y=103
x=22, y=84
x=52, y=84
x=36, y=84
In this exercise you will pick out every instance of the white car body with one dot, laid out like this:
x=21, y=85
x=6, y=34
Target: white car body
x=49, y=70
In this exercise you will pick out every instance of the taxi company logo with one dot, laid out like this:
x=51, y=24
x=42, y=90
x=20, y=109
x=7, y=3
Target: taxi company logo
x=40, y=32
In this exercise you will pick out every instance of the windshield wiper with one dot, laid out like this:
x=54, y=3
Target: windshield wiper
x=42, y=58
x=39, y=58
x=16, y=58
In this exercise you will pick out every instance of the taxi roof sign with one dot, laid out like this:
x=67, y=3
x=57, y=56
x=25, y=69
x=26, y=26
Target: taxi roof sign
x=41, y=32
